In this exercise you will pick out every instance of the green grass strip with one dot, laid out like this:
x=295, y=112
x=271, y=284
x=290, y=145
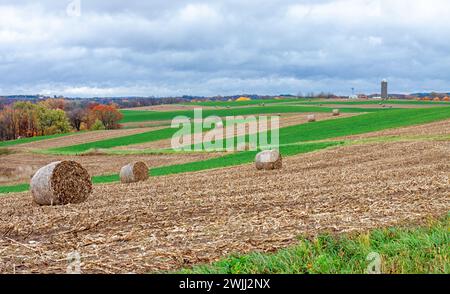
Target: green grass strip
x=419, y=250
x=14, y=188
x=355, y=125
x=237, y=159
x=361, y=124
x=142, y=116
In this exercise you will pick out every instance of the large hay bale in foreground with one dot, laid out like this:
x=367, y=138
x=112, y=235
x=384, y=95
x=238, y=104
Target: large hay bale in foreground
x=134, y=172
x=336, y=112
x=311, y=118
x=61, y=183
x=268, y=160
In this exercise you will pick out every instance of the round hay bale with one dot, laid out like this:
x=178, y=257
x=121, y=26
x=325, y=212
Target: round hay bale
x=268, y=160
x=311, y=118
x=61, y=183
x=134, y=172
x=336, y=112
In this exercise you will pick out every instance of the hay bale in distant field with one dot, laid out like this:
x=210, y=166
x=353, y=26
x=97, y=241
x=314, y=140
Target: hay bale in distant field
x=336, y=112
x=311, y=118
x=134, y=172
x=61, y=183
x=268, y=160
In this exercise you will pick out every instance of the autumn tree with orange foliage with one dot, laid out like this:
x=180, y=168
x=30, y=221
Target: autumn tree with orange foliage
x=109, y=115
x=55, y=116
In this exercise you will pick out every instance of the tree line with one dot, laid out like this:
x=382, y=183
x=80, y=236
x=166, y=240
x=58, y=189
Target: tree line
x=24, y=119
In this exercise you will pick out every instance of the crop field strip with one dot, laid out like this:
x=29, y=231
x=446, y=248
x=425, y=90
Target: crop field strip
x=212, y=163
x=364, y=123
x=284, y=121
x=145, y=137
x=404, y=250
x=370, y=122
x=146, y=116
x=374, y=179
x=163, y=225
x=303, y=133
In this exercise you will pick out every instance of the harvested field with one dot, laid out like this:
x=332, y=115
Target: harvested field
x=175, y=221
x=19, y=167
x=430, y=129
x=81, y=138
x=285, y=121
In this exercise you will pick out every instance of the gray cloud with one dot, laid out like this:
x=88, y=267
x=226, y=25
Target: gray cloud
x=223, y=47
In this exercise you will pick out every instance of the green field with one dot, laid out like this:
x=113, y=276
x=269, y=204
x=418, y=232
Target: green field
x=146, y=137
x=420, y=250
x=115, y=142
x=327, y=129
x=289, y=135
x=143, y=116
x=354, y=125
x=374, y=102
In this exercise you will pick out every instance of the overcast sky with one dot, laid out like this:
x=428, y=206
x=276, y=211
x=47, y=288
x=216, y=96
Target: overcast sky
x=222, y=47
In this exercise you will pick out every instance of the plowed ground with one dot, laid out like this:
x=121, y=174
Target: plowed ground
x=19, y=167
x=175, y=221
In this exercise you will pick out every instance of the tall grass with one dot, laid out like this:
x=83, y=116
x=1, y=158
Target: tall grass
x=416, y=250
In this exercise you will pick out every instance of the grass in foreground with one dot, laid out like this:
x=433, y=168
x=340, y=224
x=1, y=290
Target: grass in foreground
x=418, y=250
